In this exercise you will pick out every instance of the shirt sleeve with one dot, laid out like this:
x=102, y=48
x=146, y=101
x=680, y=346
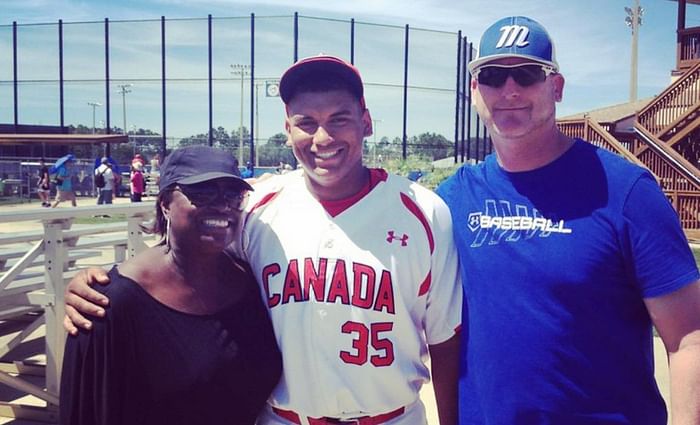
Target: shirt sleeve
x=444, y=305
x=657, y=248
x=91, y=384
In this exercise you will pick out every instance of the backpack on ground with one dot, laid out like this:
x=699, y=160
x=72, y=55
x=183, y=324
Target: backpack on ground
x=100, y=180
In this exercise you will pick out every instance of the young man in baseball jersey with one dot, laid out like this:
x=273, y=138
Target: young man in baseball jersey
x=571, y=253
x=357, y=267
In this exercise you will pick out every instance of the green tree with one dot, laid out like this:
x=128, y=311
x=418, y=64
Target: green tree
x=146, y=142
x=430, y=145
x=275, y=151
x=197, y=139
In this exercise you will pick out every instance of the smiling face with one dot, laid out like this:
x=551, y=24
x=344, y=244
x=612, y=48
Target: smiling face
x=326, y=130
x=201, y=227
x=513, y=112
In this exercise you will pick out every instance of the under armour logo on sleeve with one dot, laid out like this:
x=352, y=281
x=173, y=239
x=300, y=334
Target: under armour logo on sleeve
x=391, y=237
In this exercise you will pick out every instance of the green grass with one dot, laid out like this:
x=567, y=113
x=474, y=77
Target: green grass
x=11, y=200
x=696, y=253
x=100, y=220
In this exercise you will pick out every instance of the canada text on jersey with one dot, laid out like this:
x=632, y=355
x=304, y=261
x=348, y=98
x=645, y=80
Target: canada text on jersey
x=359, y=285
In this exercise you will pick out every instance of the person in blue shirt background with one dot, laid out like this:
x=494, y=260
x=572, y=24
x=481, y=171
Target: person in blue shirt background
x=248, y=171
x=569, y=255
x=64, y=184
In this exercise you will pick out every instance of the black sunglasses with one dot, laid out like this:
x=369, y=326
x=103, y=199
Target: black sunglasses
x=524, y=74
x=205, y=195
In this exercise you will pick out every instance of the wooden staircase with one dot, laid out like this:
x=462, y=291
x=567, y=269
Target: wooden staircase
x=666, y=141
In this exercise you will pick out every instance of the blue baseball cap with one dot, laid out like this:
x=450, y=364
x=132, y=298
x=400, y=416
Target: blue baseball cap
x=196, y=164
x=515, y=36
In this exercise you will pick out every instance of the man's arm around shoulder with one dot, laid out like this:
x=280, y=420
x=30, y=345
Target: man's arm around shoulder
x=81, y=299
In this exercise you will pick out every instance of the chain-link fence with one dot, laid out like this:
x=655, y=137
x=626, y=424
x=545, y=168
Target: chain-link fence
x=213, y=80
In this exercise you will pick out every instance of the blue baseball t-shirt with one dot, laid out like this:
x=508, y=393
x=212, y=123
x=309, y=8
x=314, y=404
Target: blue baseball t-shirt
x=555, y=264
x=66, y=183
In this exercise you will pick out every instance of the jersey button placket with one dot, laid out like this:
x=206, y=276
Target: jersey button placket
x=324, y=326
x=327, y=242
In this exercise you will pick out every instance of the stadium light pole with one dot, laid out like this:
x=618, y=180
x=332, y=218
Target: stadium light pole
x=94, y=105
x=124, y=89
x=241, y=70
x=634, y=21
x=374, y=132
x=256, y=139
x=133, y=132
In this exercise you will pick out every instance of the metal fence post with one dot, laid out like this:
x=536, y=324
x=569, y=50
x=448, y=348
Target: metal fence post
x=458, y=93
x=60, y=73
x=466, y=106
x=211, y=105
x=296, y=37
x=107, y=101
x=405, y=91
x=14, y=75
x=163, y=148
x=253, y=92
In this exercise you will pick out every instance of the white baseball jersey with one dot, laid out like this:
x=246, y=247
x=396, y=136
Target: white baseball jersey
x=354, y=299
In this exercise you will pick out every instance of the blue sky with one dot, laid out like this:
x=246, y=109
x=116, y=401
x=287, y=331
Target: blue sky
x=592, y=40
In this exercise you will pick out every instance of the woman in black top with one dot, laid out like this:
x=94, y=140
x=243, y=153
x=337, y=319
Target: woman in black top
x=42, y=185
x=186, y=338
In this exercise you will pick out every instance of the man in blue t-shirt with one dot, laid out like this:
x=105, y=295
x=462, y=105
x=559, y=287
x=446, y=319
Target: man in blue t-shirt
x=64, y=184
x=569, y=255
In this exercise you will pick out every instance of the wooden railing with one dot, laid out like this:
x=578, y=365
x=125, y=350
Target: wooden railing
x=578, y=128
x=688, y=51
x=682, y=190
x=687, y=204
x=672, y=103
x=51, y=249
x=673, y=170
x=679, y=179
x=590, y=131
x=670, y=119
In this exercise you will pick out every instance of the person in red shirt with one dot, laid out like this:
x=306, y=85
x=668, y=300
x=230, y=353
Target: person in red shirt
x=136, y=181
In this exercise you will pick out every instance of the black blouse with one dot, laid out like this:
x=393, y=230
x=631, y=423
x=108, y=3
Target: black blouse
x=146, y=363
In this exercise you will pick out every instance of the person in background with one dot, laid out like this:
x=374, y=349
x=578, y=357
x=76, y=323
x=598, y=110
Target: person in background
x=248, y=172
x=43, y=184
x=106, y=192
x=569, y=255
x=136, y=181
x=155, y=163
x=64, y=184
x=187, y=338
x=138, y=159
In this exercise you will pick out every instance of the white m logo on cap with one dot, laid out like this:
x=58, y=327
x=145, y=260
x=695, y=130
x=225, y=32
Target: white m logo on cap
x=513, y=35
